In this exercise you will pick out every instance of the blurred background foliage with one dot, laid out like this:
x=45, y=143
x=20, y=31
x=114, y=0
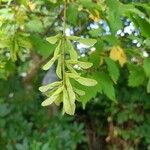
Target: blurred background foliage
x=103, y=124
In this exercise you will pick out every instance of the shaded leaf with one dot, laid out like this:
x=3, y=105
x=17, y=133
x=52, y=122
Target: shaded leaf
x=113, y=69
x=79, y=92
x=146, y=66
x=136, y=76
x=105, y=85
x=114, y=13
x=41, y=46
x=72, y=13
x=148, y=86
x=144, y=25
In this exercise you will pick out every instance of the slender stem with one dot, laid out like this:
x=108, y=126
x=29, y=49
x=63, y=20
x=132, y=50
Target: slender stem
x=64, y=24
x=64, y=41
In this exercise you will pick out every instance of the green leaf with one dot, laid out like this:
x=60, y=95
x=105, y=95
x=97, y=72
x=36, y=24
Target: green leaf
x=88, y=42
x=112, y=69
x=41, y=46
x=71, y=69
x=87, y=94
x=58, y=100
x=148, y=86
x=14, y=48
x=24, y=41
x=50, y=86
x=84, y=65
x=105, y=85
x=71, y=93
x=144, y=25
x=89, y=4
x=146, y=66
x=35, y=25
x=73, y=38
x=53, y=39
x=49, y=100
x=96, y=56
x=145, y=6
x=68, y=107
x=50, y=63
x=58, y=91
x=57, y=50
x=136, y=76
x=96, y=32
x=4, y=110
x=73, y=75
x=111, y=39
x=72, y=13
x=58, y=69
x=114, y=13
x=86, y=81
x=71, y=50
x=79, y=92
x=52, y=98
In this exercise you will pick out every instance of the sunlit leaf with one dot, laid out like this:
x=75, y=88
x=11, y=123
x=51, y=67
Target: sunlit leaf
x=58, y=100
x=49, y=86
x=58, y=49
x=71, y=50
x=68, y=107
x=86, y=81
x=49, y=100
x=88, y=42
x=71, y=93
x=118, y=54
x=58, y=69
x=50, y=63
x=53, y=97
x=85, y=65
x=53, y=39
